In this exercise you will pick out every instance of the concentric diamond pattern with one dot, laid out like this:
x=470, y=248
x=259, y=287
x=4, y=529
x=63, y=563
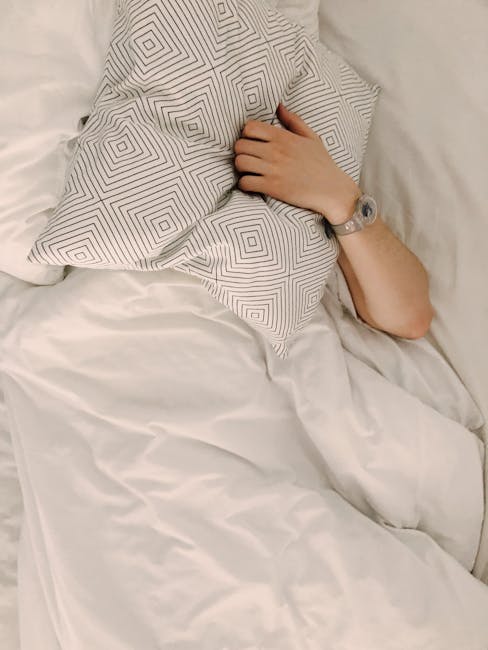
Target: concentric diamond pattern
x=152, y=182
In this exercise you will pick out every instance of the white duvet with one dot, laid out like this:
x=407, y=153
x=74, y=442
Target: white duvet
x=186, y=489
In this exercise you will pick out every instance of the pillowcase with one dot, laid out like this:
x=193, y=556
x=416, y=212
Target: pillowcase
x=52, y=55
x=152, y=182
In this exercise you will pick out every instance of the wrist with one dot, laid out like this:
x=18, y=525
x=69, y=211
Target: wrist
x=344, y=208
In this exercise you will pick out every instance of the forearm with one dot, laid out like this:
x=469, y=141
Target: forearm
x=389, y=284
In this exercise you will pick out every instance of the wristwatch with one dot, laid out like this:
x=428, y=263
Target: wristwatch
x=365, y=212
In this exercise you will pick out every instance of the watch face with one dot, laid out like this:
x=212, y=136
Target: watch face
x=368, y=209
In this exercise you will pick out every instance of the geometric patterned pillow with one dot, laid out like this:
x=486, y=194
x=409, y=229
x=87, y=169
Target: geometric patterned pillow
x=152, y=182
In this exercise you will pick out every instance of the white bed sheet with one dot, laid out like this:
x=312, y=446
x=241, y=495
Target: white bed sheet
x=427, y=157
x=11, y=511
x=176, y=479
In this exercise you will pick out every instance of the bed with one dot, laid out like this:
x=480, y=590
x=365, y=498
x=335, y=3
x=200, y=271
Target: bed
x=168, y=481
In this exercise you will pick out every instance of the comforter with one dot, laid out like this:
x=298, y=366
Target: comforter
x=186, y=488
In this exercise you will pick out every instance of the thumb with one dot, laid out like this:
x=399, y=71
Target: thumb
x=294, y=122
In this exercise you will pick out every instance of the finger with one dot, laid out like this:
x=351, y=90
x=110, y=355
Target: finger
x=258, y=130
x=249, y=183
x=245, y=163
x=294, y=122
x=251, y=147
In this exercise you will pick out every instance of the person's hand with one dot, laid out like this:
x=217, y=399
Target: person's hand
x=292, y=165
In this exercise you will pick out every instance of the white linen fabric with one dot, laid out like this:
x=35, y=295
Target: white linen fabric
x=414, y=364
x=152, y=183
x=10, y=519
x=426, y=161
x=185, y=487
x=51, y=59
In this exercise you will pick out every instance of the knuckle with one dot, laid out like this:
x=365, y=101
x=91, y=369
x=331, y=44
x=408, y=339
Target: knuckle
x=249, y=126
x=278, y=151
x=273, y=183
x=282, y=140
x=243, y=183
x=238, y=161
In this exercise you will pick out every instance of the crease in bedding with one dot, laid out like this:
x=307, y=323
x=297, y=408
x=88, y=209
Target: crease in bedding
x=186, y=488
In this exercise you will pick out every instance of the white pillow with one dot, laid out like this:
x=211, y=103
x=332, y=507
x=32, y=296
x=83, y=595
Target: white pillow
x=152, y=183
x=51, y=60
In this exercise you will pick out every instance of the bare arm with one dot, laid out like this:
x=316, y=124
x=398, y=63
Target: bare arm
x=388, y=283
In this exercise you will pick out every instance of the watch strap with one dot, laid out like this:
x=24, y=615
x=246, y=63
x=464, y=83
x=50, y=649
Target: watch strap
x=357, y=220
x=353, y=224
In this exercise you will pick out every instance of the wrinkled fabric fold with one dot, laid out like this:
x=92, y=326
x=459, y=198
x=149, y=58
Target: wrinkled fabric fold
x=185, y=487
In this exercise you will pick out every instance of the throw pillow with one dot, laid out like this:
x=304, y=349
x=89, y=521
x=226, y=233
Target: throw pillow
x=152, y=183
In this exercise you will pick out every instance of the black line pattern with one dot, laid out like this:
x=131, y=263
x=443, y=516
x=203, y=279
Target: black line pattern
x=152, y=182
